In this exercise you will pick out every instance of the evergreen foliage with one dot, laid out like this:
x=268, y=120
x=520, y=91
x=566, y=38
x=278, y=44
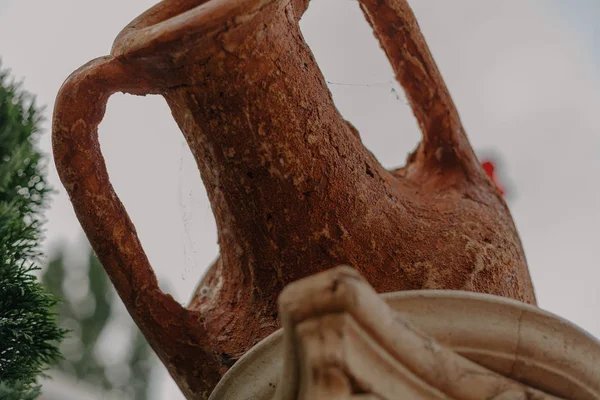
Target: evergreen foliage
x=28, y=329
x=19, y=391
x=87, y=315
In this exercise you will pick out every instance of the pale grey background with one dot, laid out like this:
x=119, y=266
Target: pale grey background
x=524, y=75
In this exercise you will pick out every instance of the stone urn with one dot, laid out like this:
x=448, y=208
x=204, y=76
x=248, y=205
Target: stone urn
x=343, y=341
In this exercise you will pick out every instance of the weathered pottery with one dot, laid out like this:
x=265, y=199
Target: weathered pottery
x=293, y=189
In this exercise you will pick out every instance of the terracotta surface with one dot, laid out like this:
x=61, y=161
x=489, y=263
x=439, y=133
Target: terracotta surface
x=342, y=341
x=293, y=189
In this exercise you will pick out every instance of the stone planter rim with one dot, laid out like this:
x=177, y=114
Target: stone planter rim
x=258, y=369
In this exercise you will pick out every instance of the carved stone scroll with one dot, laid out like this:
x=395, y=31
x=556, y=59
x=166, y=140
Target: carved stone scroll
x=341, y=340
x=344, y=342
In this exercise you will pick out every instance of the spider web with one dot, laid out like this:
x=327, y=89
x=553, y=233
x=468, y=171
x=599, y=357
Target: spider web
x=194, y=209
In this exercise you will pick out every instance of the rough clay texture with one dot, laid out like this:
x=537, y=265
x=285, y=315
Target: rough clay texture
x=293, y=189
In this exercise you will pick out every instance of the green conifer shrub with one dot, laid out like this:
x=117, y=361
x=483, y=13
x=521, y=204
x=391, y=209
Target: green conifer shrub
x=29, y=333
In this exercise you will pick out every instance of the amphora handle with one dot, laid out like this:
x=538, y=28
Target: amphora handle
x=174, y=332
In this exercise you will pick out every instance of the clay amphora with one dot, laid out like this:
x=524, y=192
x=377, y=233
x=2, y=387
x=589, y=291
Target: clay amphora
x=293, y=189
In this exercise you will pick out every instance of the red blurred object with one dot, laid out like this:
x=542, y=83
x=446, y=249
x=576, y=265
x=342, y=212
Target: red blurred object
x=489, y=168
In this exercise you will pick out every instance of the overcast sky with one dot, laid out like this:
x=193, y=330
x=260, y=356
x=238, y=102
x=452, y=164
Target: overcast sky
x=524, y=76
